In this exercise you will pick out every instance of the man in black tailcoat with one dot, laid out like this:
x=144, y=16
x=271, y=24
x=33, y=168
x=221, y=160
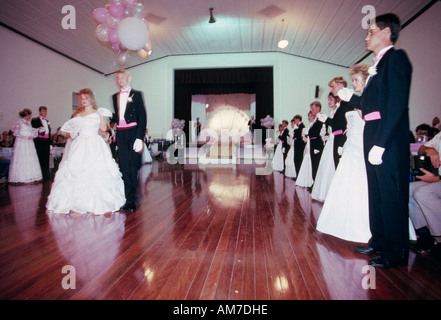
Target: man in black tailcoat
x=43, y=141
x=130, y=118
x=384, y=104
x=315, y=133
x=299, y=144
x=284, y=141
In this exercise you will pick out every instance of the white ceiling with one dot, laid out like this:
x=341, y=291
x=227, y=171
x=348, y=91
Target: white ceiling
x=323, y=30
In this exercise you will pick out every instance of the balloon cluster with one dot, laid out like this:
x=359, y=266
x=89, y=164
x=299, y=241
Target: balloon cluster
x=178, y=124
x=123, y=27
x=267, y=122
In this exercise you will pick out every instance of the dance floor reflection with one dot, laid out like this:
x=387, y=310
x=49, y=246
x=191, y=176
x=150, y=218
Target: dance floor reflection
x=199, y=233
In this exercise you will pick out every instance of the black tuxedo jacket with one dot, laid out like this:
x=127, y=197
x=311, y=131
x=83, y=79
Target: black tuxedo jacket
x=315, y=139
x=135, y=112
x=298, y=135
x=284, y=139
x=36, y=123
x=388, y=93
x=338, y=121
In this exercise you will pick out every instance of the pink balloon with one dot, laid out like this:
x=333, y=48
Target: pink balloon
x=113, y=36
x=115, y=46
x=129, y=3
x=100, y=15
x=116, y=10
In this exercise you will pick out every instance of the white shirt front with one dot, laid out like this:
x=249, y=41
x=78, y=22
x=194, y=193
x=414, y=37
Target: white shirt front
x=123, y=96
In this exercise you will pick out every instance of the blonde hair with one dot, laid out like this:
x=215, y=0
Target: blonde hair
x=338, y=80
x=123, y=71
x=363, y=69
x=80, y=107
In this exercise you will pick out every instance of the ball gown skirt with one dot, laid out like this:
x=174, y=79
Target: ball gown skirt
x=278, y=158
x=345, y=213
x=88, y=179
x=290, y=169
x=25, y=166
x=325, y=172
x=304, y=178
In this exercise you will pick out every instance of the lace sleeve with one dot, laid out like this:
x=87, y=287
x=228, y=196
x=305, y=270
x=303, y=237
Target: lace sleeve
x=72, y=127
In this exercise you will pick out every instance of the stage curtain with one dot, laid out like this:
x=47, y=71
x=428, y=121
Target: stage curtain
x=258, y=80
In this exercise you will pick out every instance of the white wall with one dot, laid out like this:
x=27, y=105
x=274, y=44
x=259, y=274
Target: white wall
x=422, y=43
x=33, y=75
x=294, y=83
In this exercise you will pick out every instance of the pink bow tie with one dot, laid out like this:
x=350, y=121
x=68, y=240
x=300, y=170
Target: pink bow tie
x=125, y=91
x=377, y=58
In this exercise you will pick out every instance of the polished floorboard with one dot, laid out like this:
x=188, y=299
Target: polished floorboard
x=200, y=233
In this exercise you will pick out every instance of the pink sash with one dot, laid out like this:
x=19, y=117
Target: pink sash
x=372, y=116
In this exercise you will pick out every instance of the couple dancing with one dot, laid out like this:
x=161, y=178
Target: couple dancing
x=88, y=179
x=384, y=107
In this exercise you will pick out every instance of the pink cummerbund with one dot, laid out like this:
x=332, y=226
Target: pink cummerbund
x=372, y=116
x=124, y=125
x=43, y=136
x=338, y=132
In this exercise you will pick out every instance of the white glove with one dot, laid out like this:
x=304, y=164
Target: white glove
x=375, y=155
x=345, y=94
x=138, y=145
x=340, y=151
x=322, y=117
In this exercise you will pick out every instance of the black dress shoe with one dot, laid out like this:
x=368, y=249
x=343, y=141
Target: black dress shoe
x=128, y=207
x=366, y=250
x=383, y=263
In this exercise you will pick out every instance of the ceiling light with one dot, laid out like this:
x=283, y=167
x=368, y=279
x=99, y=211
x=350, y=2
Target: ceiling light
x=283, y=44
x=212, y=19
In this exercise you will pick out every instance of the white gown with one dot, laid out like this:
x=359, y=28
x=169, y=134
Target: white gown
x=345, y=213
x=304, y=178
x=88, y=179
x=325, y=172
x=278, y=156
x=25, y=166
x=290, y=169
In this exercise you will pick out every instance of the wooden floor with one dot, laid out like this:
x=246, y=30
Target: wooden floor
x=200, y=233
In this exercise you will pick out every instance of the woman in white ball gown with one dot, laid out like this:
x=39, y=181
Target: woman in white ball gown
x=88, y=179
x=25, y=166
x=278, y=154
x=345, y=213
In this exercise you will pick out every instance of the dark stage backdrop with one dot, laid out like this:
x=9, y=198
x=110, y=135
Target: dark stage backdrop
x=257, y=80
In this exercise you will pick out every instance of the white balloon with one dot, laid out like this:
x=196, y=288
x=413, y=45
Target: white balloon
x=133, y=33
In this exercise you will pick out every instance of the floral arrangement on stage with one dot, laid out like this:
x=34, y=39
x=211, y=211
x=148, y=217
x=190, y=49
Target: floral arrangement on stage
x=267, y=122
x=178, y=124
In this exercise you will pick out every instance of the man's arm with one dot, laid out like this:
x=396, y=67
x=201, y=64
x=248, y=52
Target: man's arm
x=432, y=154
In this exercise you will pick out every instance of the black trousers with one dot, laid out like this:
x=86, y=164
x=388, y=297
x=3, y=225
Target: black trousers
x=299, y=148
x=129, y=162
x=388, y=188
x=42, y=146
